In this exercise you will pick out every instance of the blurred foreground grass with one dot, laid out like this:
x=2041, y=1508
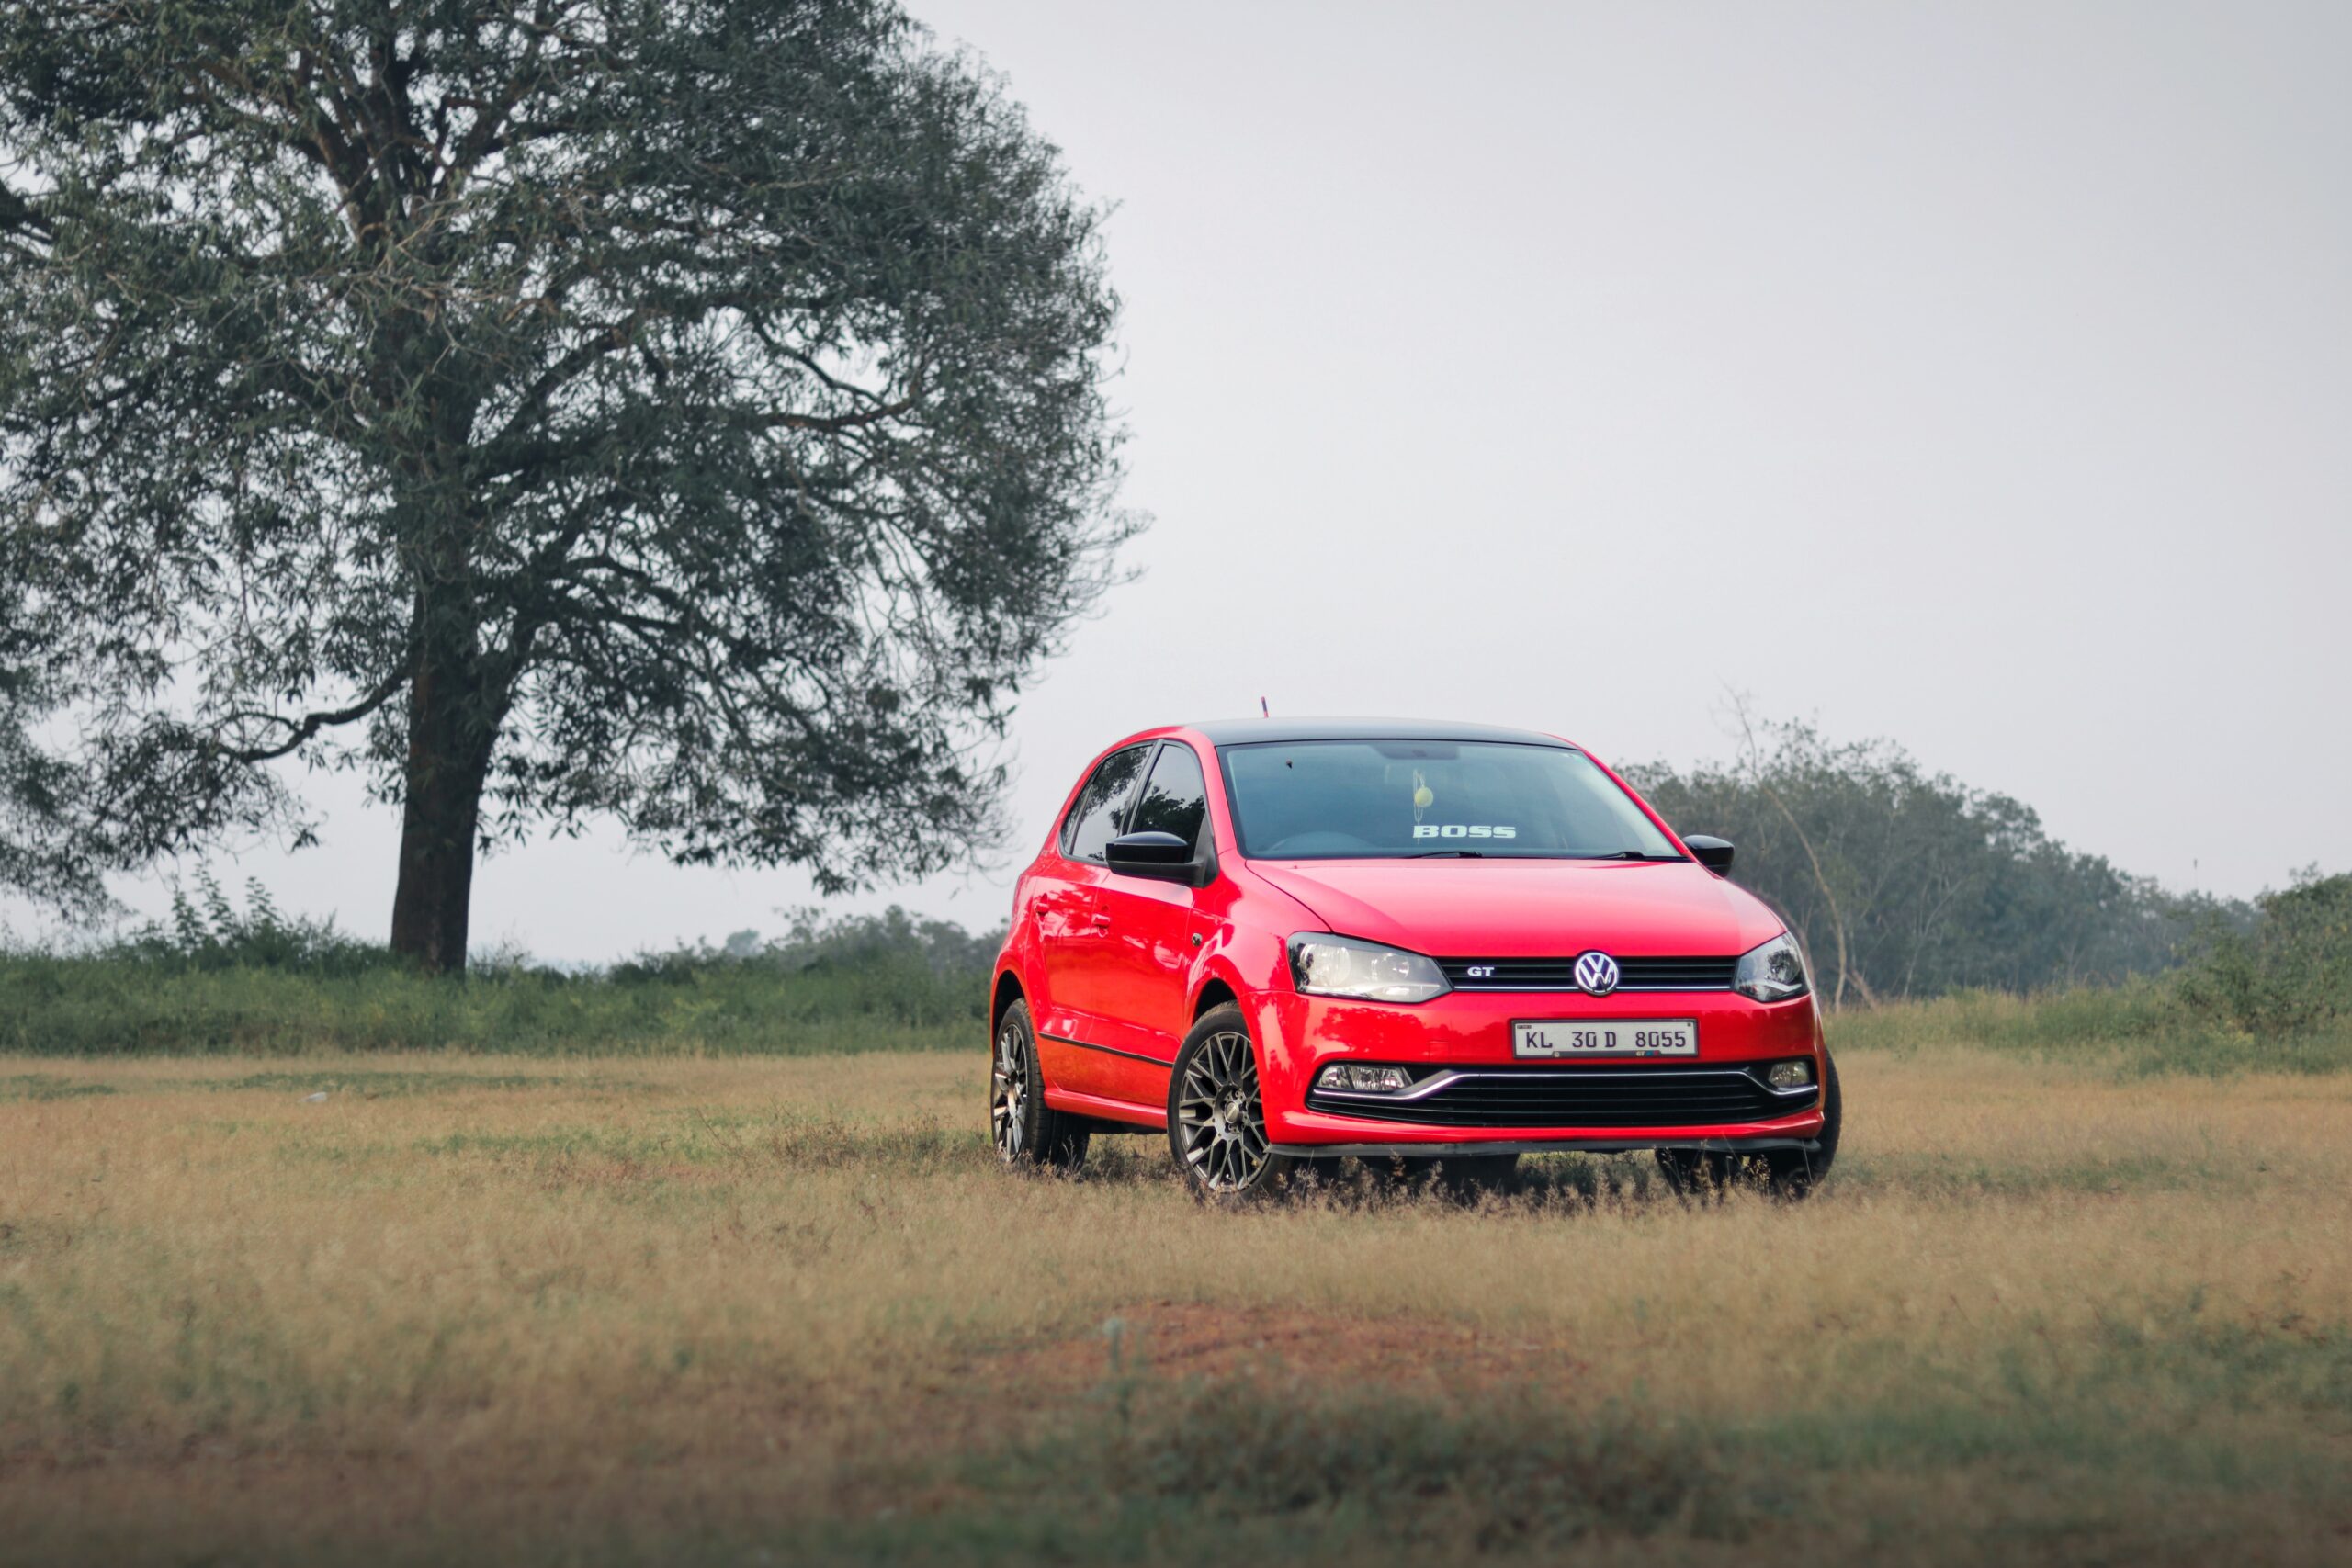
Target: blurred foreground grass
x=629, y=1309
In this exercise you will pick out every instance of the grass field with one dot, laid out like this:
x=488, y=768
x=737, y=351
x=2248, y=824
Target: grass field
x=769, y=1311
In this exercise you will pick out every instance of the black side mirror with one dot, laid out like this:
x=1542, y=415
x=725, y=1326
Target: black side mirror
x=1714, y=853
x=1163, y=857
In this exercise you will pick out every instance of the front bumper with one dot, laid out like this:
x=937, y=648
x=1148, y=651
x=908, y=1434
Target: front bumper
x=1461, y=1042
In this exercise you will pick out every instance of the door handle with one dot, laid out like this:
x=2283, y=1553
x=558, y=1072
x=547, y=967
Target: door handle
x=1100, y=921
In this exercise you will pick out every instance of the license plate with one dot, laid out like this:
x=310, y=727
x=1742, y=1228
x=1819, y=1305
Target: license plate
x=1554, y=1037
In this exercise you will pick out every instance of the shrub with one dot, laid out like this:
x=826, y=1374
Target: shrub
x=207, y=934
x=2291, y=972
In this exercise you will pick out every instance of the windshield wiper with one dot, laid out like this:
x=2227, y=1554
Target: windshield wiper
x=1459, y=854
x=1630, y=854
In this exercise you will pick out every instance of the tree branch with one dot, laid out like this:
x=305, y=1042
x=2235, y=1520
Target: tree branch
x=311, y=724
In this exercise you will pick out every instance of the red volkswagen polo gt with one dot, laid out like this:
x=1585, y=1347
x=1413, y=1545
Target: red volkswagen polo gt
x=1431, y=947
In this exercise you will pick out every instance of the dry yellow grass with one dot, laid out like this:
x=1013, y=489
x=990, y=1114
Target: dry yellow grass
x=566, y=1310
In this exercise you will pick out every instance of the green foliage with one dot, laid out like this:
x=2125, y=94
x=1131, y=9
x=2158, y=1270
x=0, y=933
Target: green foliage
x=110, y=1006
x=209, y=932
x=1904, y=884
x=916, y=974
x=2291, y=972
x=218, y=979
x=691, y=413
x=47, y=851
x=2143, y=1026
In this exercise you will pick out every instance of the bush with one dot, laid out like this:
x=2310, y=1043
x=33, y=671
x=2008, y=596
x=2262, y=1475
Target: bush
x=209, y=934
x=214, y=978
x=2289, y=975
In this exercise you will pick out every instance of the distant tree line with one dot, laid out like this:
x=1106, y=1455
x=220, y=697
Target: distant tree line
x=1902, y=883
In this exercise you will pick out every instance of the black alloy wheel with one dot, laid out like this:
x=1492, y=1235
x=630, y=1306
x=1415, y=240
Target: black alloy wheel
x=1028, y=1134
x=1217, y=1121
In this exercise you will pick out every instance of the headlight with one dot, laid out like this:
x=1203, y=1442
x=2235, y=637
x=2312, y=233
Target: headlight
x=1342, y=966
x=1773, y=973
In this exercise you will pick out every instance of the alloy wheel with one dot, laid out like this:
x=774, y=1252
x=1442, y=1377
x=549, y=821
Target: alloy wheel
x=1008, y=1095
x=1219, y=1116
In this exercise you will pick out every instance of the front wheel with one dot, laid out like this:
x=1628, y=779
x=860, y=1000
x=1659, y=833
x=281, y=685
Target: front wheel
x=1785, y=1173
x=1217, y=1121
x=1795, y=1172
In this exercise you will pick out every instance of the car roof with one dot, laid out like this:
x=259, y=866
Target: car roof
x=1244, y=731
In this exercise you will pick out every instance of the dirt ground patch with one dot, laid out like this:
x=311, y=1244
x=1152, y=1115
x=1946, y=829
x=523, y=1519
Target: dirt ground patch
x=1425, y=1357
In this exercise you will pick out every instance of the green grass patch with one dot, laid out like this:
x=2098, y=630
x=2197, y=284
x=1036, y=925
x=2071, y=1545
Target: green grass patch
x=2139, y=1029
x=45, y=1086
x=112, y=1006
x=375, y=1084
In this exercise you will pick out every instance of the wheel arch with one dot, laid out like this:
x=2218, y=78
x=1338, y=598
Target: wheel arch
x=1216, y=991
x=1008, y=991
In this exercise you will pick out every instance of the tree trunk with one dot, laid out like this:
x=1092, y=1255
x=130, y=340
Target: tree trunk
x=449, y=741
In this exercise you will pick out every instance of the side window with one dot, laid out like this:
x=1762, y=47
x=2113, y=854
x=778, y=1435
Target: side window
x=1176, y=798
x=1094, y=820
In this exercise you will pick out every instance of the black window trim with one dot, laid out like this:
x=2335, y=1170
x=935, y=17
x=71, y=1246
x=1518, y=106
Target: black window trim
x=1203, y=849
x=1208, y=825
x=1063, y=834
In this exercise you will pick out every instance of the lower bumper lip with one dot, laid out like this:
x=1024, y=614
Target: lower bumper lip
x=1598, y=1143
x=1446, y=1077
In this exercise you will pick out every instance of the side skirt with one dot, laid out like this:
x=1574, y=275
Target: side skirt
x=1103, y=1109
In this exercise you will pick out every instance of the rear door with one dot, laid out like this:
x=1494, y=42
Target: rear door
x=1139, y=966
x=1072, y=923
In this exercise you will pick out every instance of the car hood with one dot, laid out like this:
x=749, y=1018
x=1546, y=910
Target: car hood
x=1529, y=909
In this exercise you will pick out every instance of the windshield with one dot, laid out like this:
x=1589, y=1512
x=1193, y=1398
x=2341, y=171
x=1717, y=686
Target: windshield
x=1394, y=799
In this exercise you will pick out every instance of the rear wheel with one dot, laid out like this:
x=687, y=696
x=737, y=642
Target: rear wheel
x=1217, y=1121
x=1029, y=1134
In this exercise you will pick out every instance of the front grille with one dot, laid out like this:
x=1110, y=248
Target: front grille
x=1658, y=1095
x=1559, y=973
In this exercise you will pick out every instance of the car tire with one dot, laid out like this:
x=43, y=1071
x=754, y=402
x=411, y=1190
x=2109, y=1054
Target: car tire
x=1217, y=1118
x=1028, y=1134
x=1793, y=1173
x=1785, y=1173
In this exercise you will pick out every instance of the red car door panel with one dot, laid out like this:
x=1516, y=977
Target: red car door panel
x=1139, y=969
x=1073, y=948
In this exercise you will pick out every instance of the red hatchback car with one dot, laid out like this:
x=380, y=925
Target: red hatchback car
x=1432, y=947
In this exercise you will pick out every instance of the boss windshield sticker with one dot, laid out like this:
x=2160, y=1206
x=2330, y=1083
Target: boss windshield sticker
x=1464, y=830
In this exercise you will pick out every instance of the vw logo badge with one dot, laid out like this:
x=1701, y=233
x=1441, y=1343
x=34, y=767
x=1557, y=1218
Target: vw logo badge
x=1597, y=973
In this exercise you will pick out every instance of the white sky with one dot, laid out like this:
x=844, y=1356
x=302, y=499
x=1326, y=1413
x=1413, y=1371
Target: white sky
x=1978, y=376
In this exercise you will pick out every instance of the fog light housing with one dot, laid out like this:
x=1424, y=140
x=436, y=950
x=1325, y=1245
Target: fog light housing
x=1788, y=1075
x=1354, y=1076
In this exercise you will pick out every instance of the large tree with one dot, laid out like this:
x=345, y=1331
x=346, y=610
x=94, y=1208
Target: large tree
x=689, y=410
x=47, y=850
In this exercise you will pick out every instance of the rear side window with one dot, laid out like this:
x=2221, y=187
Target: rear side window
x=1176, y=798
x=1094, y=820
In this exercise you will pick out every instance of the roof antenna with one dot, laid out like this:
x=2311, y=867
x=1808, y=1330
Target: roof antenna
x=1263, y=711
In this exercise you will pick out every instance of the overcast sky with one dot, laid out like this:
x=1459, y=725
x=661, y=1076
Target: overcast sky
x=1976, y=375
